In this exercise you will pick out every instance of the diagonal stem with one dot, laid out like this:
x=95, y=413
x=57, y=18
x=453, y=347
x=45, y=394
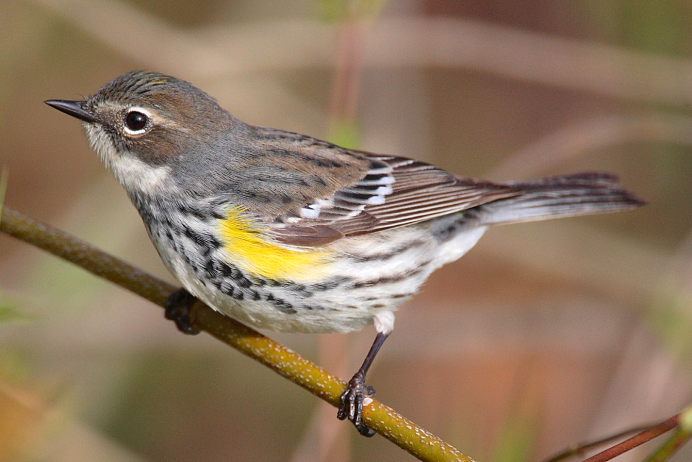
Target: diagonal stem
x=281, y=360
x=636, y=440
x=581, y=448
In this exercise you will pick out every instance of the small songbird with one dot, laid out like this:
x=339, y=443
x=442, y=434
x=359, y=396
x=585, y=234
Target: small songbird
x=290, y=233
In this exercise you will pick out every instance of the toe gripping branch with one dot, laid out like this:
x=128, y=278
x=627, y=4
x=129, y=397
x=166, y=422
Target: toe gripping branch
x=351, y=404
x=179, y=309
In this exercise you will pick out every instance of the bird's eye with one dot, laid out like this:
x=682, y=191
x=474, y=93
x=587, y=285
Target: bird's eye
x=135, y=121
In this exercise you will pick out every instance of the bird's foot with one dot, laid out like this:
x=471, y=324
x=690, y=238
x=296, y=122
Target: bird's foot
x=351, y=406
x=179, y=309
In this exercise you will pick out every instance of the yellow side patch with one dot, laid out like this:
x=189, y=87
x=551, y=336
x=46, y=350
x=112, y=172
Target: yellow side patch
x=246, y=247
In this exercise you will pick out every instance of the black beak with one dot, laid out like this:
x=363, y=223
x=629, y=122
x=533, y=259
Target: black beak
x=73, y=108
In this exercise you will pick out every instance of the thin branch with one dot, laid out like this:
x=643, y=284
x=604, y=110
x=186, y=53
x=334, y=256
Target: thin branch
x=285, y=362
x=636, y=440
x=643, y=435
x=579, y=449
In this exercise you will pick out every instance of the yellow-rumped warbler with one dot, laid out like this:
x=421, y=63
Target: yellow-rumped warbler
x=286, y=232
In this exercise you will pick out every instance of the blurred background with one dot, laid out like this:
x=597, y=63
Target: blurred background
x=543, y=335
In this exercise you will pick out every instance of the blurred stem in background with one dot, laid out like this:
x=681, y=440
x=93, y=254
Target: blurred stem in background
x=350, y=18
x=518, y=434
x=7, y=313
x=343, y=129
x=4, y=174
x=669, y=312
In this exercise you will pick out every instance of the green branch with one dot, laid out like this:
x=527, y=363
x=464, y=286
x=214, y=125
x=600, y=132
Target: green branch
x=316, y=380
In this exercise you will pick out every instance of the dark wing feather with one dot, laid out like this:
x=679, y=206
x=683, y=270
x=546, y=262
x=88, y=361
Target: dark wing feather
x=394, y=192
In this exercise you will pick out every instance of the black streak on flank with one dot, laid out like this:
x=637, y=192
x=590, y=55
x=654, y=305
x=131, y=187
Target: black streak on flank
x=329, y=284
x=453, y=228
x=206, y=241
x=185, y=210
x=301, y=290
x=312, y=307
x=226, y=289
x=244, y=282
x=227, y=270
x=400, y=296
x=284, y=306
x=388, y=280
x=210, y=270
x=383, y=256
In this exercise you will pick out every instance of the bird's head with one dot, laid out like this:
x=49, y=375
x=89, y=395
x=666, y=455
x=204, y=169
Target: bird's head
x=143, y=124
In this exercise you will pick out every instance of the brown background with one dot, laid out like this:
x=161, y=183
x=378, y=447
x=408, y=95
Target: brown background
x=543, y=335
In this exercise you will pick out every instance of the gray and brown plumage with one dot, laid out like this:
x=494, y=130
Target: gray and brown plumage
x=290, y=233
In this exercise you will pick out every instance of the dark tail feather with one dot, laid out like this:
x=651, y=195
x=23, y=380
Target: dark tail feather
x=561, y=196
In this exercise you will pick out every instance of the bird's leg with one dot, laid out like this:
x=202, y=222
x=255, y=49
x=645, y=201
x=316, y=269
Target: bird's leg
x=351, y=406
x=179, y=309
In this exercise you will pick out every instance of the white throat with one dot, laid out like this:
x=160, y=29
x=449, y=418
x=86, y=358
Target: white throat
x=134, y=174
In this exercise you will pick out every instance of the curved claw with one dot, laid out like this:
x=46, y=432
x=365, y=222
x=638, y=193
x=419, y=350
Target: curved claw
x=351, y=404
x=179, y=309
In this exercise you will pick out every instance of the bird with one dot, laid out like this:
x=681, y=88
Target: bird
x=290, y=233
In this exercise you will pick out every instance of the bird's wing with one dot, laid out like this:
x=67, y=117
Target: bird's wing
x=393, y=192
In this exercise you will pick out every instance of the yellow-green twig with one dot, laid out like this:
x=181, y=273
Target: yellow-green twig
x=316, y=380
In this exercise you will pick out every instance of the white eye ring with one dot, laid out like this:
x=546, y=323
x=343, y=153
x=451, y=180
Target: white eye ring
x=137, y=120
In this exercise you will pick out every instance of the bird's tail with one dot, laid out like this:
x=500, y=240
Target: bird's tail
x=561, y=196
